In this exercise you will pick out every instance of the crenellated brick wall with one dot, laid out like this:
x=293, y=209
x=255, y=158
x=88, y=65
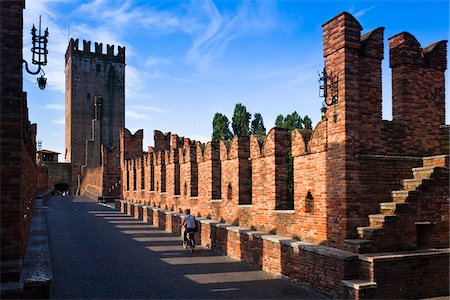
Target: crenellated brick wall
x=357, y=178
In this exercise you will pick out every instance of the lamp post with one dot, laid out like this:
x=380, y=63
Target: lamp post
x=39, y=58
x=328, y=89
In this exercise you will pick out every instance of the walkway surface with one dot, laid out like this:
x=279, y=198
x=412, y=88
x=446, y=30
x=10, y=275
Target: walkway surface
x=97, y=252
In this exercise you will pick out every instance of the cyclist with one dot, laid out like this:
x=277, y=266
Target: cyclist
x=189, y=224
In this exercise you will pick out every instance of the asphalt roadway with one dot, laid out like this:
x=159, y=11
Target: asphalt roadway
x=99, y=253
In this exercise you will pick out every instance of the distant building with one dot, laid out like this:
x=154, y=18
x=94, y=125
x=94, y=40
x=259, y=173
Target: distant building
x=45, y=156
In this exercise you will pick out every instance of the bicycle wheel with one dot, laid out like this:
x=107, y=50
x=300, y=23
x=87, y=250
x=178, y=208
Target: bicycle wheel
x=191, y=242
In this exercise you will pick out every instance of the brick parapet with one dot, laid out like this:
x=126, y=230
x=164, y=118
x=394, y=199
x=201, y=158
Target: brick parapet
x=73, y=50
x=334, y=187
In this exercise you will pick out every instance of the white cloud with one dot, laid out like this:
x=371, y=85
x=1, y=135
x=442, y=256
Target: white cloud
x=135, y=115
x=154, y=61
x=210, y=40
x=55, y=106
x=147, y=108
x=126, y=17
x=54, y=70
x=59, y=122
x=361, y=12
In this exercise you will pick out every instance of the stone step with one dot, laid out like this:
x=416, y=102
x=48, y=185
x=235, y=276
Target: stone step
x=423, y=172
x=378, y=220
x=358, y=245
x=363, y=286
x=390, y=208
x=399, y=196
x=369, y=232
x=412, y=184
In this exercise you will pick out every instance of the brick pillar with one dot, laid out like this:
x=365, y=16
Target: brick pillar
x=162, y=140
x=209, y=172
x=370, y=96
x=235, y=170
x=342, y=47
x=418, y=91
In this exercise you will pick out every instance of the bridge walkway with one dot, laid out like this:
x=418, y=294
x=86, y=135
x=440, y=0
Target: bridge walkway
x=97, y=252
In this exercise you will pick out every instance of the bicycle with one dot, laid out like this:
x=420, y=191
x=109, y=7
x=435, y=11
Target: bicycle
x=190, y=241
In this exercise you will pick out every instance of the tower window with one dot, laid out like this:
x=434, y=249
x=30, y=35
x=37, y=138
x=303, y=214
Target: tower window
x=88, y=96
x=98, y=68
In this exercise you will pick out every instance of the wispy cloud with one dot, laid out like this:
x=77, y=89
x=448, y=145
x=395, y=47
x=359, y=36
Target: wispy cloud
x=54, y=69
x=55, y=106
x=59, y=122
x=136, y=116
x=218, y=30
x=127, y=16
x=155, y=61
x=147, y=108
x=361, y=12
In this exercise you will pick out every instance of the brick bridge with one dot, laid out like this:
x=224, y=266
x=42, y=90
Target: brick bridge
x=370, y=212
x=369, y=217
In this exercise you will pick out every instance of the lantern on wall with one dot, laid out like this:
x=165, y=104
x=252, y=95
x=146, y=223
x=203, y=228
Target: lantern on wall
x=328, y=87
x=39, y=58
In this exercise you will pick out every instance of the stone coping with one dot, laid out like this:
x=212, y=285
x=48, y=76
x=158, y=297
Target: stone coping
x=359, y=284
x=278, y=239
x=208, y=221
x=390, y=256
x=327, y=251
x=220, y=225
x=275, y=238
x=238, y=229
x=387, y=157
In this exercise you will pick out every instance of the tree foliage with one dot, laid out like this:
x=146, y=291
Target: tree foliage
x=293, y=121
x=241, y=120
x=307, y=122
x=257, y=127
x=221, y=128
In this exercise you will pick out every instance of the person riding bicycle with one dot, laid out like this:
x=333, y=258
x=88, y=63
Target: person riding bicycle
x=189, y=224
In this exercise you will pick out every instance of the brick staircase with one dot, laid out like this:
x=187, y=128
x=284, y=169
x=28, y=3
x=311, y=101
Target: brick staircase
x=394, y=228
x=388, y=247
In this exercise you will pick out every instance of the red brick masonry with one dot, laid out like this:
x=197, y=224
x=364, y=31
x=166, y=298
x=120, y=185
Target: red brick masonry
x=362, y=185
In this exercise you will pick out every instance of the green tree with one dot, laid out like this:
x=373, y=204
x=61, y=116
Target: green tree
x=279, y=122
x=241, y=120
x=307, y=122
x=221, y=128
x=291, y=121
x=258, y=125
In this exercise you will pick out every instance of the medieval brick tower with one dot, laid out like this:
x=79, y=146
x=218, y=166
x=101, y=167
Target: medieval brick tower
x=95, y=102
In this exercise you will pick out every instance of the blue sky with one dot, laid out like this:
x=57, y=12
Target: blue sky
x=187, y=60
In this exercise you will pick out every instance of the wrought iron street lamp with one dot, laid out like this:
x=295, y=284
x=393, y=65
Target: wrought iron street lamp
x=40, y=52
x=328, y=87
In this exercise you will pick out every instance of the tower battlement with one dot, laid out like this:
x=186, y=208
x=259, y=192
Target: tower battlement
x=74, y=49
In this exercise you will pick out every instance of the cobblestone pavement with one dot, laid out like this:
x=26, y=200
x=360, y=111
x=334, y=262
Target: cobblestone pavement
x=97, y=252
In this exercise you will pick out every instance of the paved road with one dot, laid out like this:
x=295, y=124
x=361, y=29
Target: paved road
x=99, y=253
